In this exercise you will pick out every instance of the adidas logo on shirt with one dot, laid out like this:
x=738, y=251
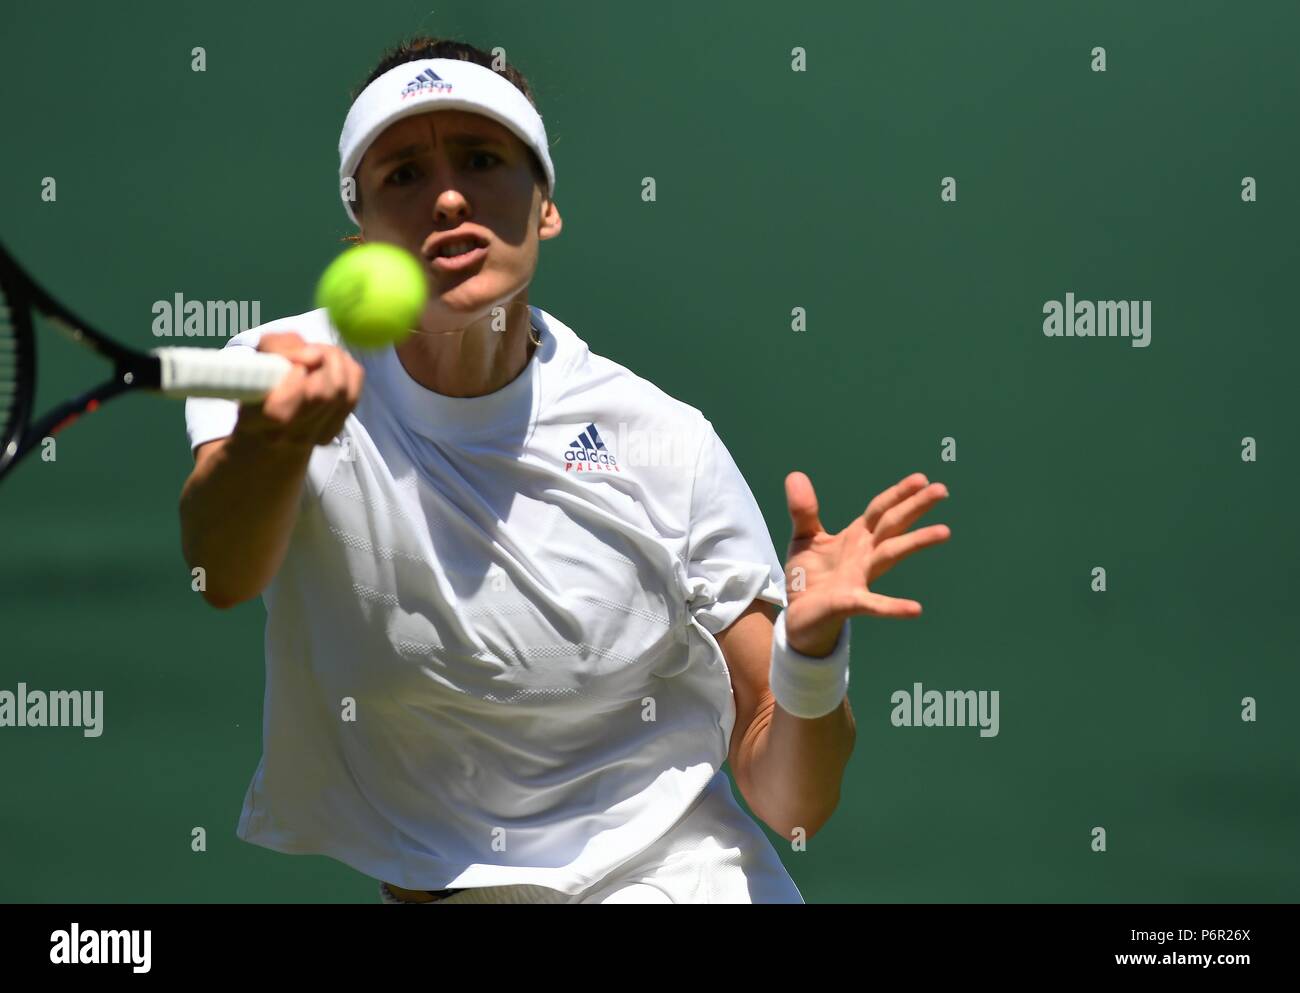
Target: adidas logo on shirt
x=423, y=83
x=587, y=453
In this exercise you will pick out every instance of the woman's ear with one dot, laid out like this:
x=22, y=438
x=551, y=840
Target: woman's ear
x=551, y=222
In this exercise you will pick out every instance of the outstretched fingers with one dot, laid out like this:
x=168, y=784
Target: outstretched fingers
x=904, y=514
x=892, y=496
x=879, y=605
x=892, y=551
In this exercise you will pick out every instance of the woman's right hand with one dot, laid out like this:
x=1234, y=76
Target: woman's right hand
x=309, y=406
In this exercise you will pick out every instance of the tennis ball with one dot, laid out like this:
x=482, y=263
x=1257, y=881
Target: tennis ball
x=374, y=294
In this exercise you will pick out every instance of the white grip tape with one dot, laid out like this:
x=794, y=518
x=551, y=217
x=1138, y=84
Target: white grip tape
x=238, y=373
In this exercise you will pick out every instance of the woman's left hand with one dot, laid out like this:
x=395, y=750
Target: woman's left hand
x=828, y=576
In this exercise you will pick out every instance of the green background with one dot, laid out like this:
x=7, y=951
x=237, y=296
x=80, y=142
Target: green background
x=776, y=190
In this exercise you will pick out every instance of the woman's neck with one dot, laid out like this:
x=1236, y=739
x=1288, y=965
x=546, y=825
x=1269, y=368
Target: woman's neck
x=470, y=362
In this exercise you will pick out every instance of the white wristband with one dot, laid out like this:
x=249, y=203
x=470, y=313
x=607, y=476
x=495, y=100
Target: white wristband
x=806, y=686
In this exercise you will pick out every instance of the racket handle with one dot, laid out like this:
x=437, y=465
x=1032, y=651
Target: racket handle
x=238, y=373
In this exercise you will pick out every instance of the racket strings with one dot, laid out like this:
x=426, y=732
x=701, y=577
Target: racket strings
x=9, y=370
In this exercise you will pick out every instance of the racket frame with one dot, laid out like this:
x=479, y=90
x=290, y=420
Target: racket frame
x=132, y=370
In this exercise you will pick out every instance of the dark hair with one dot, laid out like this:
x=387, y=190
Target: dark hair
x=424, y=47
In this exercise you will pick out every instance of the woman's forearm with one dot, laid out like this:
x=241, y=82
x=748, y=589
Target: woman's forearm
x=796, y=766
x=237, y=512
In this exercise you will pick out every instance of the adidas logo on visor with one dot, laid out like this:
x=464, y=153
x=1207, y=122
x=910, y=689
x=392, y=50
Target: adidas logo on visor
x=427, y=82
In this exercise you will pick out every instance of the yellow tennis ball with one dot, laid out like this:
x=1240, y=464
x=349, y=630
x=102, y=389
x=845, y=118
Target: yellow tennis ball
x=374, y=294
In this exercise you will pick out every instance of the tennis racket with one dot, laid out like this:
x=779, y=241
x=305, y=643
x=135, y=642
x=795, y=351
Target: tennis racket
x=232, y=374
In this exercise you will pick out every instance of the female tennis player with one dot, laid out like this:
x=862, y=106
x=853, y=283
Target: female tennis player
x=521, y=604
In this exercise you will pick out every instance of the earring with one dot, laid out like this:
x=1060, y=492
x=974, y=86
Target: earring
x=538, y=339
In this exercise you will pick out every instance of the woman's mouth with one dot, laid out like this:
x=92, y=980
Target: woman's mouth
x=457, y=255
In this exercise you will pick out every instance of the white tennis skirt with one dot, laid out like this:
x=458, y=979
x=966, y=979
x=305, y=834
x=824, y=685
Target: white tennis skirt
x=715, y=853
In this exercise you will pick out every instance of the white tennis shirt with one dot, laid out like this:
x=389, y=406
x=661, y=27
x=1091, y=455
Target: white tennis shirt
x=490, y=652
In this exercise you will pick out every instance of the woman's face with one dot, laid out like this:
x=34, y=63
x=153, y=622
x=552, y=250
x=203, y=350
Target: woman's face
x=451, y=170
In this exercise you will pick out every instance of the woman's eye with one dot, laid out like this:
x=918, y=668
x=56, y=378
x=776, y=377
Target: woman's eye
x=403, y=175
x=394, y=177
